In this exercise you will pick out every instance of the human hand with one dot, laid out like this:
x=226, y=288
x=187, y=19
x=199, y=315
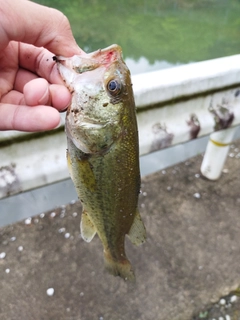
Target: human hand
x=31, y=90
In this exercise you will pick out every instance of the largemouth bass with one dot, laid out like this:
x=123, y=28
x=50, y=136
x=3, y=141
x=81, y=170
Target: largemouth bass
x=103, y=155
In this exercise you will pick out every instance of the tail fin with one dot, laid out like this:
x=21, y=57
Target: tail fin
x=121, y=267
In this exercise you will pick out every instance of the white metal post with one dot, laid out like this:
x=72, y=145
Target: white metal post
x=216, y=153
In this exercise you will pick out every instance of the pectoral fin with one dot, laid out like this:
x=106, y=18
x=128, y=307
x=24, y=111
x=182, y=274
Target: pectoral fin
x=137, y=233
x=69, y=164
x=87, y=228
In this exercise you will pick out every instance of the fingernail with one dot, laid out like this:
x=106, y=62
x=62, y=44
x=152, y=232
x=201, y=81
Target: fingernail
x=61, y=121
x=45, y=100
x=64, y=109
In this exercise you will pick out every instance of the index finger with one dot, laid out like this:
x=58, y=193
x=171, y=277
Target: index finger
x=39, y=61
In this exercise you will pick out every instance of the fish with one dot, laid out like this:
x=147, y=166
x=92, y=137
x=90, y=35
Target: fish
x=103, y=152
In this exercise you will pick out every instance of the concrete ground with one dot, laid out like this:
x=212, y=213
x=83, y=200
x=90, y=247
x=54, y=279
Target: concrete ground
x=190, y=261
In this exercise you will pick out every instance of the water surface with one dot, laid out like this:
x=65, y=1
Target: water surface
x=156, y=34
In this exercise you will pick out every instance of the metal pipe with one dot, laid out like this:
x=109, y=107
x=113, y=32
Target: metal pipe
x=216, y=153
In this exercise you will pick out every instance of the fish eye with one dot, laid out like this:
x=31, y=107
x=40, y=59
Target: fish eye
x=114, y=87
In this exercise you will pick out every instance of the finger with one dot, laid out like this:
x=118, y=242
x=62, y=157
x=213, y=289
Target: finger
x=60, y=97
x=13, y=97
x=29, y=119
x=51, y=28
x=36, y=92
x=39, y=92
x=39, y=61
x=8, y=69
x=22, y=77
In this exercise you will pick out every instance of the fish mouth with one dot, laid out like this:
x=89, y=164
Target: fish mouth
x=88, y=62
x=88, y=123
x=91, y=136
x=92, y=125
x=78, y=64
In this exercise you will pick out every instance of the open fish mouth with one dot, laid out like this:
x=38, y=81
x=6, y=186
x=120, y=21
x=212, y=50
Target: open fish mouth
x=78, y=63
x=88, y=62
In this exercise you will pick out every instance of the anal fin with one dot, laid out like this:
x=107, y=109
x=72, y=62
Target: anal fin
x=137, y=233
x=87, y=228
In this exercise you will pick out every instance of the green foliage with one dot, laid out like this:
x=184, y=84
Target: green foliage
x=171, y=30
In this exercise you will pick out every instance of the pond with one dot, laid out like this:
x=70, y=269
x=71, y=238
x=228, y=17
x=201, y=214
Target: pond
x=156, y=34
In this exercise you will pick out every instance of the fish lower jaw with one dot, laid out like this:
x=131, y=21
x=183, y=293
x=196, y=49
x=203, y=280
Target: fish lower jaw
x=92, y=125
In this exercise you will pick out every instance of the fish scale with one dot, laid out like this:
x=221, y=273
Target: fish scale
x=103, y=152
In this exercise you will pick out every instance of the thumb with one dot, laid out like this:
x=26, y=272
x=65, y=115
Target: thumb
x=51, y=27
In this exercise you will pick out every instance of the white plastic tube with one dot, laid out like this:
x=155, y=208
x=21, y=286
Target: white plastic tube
x=216, y=153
